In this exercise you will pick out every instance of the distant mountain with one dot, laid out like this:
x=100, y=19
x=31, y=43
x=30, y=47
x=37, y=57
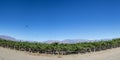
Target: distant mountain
x=51, y=41
x=68, y=41
x=71, y=41
x=7, y=37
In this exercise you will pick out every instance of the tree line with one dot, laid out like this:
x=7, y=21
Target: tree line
x=60, y=48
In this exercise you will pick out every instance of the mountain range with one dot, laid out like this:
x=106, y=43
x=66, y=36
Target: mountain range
x=7, y=37
x=66, y=41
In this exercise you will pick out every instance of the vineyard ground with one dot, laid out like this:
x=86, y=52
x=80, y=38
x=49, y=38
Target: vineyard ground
x=9, y=54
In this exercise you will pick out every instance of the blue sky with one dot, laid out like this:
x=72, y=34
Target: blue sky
x=40, y=20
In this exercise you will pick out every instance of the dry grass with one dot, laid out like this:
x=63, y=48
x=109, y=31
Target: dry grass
x=35, y=54
x=38, y=54
x=59, y=56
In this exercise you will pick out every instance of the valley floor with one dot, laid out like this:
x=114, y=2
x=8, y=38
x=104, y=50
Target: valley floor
x=110, y=54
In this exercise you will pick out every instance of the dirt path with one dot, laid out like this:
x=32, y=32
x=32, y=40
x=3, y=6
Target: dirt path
x=111, y=54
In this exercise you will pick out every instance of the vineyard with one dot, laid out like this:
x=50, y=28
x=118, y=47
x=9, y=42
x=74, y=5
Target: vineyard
x=60, y=48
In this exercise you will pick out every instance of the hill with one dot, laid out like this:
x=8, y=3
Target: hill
x=7, y=37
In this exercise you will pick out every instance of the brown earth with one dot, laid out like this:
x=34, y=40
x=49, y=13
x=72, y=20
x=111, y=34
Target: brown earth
x=9, y=54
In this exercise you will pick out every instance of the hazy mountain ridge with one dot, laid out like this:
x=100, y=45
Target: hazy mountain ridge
x=7, y=37
x=68, y=41
x=72, y=41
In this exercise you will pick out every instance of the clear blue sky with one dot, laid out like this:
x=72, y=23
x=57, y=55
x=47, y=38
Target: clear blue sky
x=40, y=20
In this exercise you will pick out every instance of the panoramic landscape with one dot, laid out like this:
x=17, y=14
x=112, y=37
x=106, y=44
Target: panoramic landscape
x=59, y=30
x=23, y=50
